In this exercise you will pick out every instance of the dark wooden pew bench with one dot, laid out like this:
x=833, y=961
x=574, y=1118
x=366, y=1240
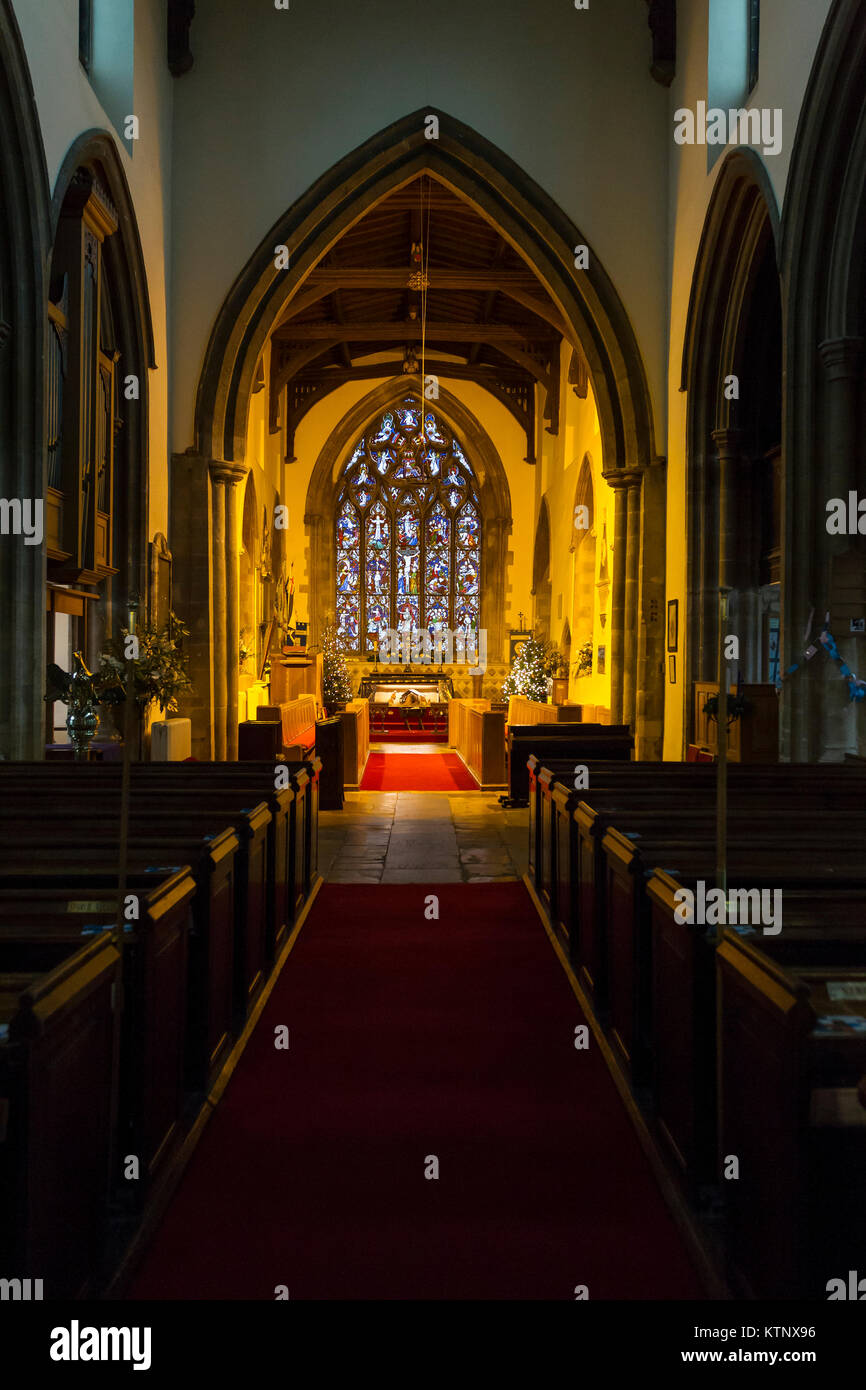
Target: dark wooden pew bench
x=153, y=1034
x=820, y=927
x=585, y=741
x=789, y=1111
x=56, y=1064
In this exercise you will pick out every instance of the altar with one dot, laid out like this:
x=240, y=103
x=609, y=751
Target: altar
x=397, y=688
x=407, y=705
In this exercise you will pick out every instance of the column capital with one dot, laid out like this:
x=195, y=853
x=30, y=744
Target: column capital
x=842, y=358
x=624, y=478
x=729, y=442
x=223, y=471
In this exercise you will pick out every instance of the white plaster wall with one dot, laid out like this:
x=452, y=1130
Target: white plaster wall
x=68, y=106
x=276, y=97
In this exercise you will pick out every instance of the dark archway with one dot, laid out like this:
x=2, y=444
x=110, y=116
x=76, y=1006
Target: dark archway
x=593, y=320
x=95, y=152
x=541, y=587
x=823, y=261
x=584, y=548
x=732, y=371
x=24, y=249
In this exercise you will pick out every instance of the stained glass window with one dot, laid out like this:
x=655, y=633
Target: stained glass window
x=408, y=532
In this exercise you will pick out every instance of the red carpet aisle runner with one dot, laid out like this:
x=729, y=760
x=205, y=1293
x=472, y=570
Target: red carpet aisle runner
x=417, y=772
x=411, y=1038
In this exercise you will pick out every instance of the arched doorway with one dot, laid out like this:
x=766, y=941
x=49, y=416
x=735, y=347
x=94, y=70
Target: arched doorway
x=584, y=306
x=24, y=242
x=541, y=590
x=99, y=353
x=732, y=371
x=584, y=551
x=823, y=261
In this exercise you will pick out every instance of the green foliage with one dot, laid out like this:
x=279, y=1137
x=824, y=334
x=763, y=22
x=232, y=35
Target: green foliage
x=336, y=681
x=160, y=672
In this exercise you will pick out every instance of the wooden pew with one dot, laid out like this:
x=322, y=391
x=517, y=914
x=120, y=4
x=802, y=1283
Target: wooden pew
x=297, y=719
x=585, y=741
x=258, y=777
x=356, y=741
x=820, y=927
x=789, y=1113
x=157, y=825
x=154, y=1041
x=56, y=1065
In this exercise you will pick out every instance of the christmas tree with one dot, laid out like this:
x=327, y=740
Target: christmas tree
x=528, y=674
x=336, y=681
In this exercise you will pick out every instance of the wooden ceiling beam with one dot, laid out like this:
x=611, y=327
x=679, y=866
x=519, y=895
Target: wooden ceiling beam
x=490, y=379
x=397, y=277
x=410, y=331
x=315, y=289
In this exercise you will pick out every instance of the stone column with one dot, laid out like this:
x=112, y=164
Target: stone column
x=632, y=573
x=233, y=633
x=493, y=585
x=617, y=598
x=842, y=360
x=729, y=445
x=220, y=475
x=320, y=594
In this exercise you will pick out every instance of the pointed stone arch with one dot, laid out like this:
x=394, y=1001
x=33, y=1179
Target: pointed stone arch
x=735, y=276
x=823, y=263
x=477, y=171
x=127, y=278
x=25, y=239
x=541, y=585
x=584, y=548
x=494, y=495
x=594, y=321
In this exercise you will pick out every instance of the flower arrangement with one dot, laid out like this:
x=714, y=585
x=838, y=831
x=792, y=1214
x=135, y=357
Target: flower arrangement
x=246, y=650
x=160, y=671
x=583, y=665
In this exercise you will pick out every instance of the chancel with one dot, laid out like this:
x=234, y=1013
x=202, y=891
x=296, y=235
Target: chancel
x=432, y=654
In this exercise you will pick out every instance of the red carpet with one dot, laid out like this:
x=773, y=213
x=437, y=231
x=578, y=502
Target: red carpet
x=417, y=772
x=411, y=1038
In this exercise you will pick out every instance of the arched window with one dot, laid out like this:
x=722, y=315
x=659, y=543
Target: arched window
x=408, y=532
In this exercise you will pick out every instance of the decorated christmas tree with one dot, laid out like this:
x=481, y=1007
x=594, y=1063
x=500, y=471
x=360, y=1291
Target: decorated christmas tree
x=336, y=681
x=529, y=671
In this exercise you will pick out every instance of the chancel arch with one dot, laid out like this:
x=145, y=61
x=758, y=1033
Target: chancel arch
x=579, y=306
x=732, y=371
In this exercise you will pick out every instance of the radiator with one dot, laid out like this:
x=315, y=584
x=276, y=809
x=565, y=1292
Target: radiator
x=170, y=740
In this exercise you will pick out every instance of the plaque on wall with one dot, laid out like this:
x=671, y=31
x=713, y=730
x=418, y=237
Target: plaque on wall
x=159, y=600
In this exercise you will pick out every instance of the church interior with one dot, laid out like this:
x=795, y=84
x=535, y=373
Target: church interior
x=432, y=598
